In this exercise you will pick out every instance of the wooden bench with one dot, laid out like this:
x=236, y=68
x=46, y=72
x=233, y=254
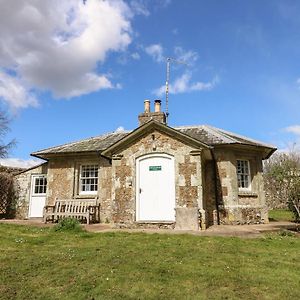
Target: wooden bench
x=80, y=209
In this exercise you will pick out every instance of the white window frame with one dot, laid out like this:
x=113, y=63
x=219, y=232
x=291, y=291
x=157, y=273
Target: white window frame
x=81, y=192
x=248, y=188
x=34, y=178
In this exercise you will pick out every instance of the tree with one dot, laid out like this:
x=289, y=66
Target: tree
x=282, y=181
x=4, y=148
x=7, y=189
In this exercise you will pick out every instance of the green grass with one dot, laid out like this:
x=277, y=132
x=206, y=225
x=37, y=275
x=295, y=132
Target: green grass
x=281, y=215
x=40, y=263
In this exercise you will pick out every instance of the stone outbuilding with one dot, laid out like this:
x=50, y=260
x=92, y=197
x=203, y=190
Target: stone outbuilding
x=155, y=176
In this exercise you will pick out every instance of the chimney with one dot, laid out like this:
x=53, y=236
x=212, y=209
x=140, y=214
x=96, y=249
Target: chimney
x=147, y=115
x=147, y=106
x=157, y=106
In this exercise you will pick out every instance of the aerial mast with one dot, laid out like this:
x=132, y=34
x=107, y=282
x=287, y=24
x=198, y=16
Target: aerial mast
x=167, y=89
x=169, y=59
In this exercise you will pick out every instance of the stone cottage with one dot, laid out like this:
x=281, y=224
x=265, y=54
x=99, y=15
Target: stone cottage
x=186, y=177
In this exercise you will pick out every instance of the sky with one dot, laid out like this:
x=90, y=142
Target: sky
x=73, y=69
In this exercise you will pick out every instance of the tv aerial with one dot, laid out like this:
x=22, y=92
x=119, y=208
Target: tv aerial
x=169, y=60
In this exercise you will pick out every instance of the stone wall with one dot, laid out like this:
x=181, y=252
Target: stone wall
x=188, y=170
x=23, y=186
x=210, y=193
x=205, y=192
x=236, y=206
x=63, y=181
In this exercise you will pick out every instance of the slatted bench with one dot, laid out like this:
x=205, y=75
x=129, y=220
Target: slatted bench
x=80, y=209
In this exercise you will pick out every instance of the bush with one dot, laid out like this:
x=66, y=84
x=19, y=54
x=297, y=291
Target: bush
x=282, y=182
x=294, y=201
x=68, y=224
x=7, y=195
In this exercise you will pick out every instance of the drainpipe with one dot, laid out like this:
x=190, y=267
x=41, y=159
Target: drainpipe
x=216, y=185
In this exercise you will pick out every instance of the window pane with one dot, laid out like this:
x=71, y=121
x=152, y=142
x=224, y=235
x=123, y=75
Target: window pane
x=40, y=185
x=89, y=178
x=243, y=174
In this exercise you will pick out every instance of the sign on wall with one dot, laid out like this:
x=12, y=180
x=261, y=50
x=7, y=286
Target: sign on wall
x=154, y=168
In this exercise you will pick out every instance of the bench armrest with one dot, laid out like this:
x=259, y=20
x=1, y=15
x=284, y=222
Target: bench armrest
x=48, y=208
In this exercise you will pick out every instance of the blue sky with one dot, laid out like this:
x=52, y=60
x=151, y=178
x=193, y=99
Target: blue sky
x=70, y=71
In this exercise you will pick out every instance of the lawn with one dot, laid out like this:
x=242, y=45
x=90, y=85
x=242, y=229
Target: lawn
x=281, y=215
x=39, y=263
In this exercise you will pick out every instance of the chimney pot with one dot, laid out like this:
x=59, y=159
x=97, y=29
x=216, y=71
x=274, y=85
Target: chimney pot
x=157, y=105
x=147, y=106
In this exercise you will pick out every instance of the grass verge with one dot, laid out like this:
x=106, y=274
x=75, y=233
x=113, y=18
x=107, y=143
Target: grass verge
x=281, y=215
x=40, y=263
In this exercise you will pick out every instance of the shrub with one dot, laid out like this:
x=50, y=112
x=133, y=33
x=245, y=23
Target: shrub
x=7, y=195
x=282, y=181
x=68, y=224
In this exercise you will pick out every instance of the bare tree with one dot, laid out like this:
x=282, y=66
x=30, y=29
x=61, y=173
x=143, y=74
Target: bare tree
x=7, y=189
x=4, y=148
x=282, y=181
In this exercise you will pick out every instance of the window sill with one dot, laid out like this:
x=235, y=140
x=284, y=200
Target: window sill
x=247, y=194
x=86, y=196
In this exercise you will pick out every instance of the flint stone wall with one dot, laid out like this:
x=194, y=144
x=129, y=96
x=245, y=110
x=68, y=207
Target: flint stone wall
x=188, y=176
x=23, y=186
x=235, y=206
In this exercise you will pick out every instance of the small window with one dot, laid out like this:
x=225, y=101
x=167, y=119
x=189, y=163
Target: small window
x=243, y=174
x=88, y=179
x=40, y=185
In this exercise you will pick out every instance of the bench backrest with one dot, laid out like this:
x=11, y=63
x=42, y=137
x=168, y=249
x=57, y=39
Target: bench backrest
x=74, y=205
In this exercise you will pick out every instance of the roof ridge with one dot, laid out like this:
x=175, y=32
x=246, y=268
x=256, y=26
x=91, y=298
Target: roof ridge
x=216, y=132
x=188, y=126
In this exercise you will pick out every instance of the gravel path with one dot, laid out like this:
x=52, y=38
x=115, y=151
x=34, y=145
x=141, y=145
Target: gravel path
x=246, y=231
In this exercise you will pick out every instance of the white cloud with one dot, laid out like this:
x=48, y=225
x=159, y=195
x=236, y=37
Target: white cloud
x=165, y=3
x=135, y=56
x=175, y=31
x=139, y=7
x=188, y=56
x=295, y=129
x=57, y=46
x=156, y=52
x=183, y=84
x=15, y=92
x=120, y=129
x=19, y=163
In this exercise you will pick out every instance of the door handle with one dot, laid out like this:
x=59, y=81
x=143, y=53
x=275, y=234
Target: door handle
x=140, y=190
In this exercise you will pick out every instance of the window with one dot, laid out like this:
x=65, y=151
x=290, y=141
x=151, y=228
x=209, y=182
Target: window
x=88, y=182
x=40, y=185
x=243, y=174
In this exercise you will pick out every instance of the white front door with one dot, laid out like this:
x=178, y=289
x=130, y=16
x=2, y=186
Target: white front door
x=38, y=195
x=155, y=188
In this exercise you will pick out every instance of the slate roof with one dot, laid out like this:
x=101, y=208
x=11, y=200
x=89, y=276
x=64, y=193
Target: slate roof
x=204, y=133
x=215, y=136
x=97, y=143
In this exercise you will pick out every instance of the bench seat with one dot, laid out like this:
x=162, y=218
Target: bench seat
x=88, y=209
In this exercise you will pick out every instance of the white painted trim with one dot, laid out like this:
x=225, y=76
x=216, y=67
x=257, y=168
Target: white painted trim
x=32, y=193
x=249, y=188
x=80, y=192
x=137, y=184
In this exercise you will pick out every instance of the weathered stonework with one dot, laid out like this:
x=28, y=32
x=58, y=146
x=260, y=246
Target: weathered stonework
x=23, y=186
x=205, y=168
x=235, y=206
x=124, y=176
